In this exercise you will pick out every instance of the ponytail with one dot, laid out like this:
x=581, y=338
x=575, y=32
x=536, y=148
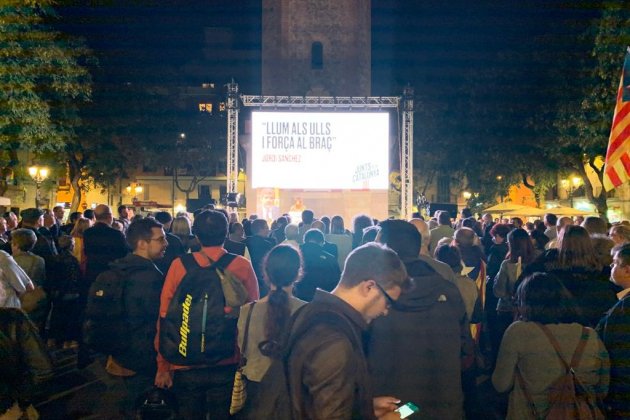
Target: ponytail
x=282, y=267
x=278, y=314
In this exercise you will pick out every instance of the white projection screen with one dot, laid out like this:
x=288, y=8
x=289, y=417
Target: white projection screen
x=320, y=150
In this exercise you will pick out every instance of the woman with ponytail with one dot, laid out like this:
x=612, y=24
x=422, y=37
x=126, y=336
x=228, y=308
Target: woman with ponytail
x=269, y=316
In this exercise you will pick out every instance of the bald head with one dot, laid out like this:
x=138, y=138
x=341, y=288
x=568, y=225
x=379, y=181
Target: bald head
x=319, y=225
x=103, y=214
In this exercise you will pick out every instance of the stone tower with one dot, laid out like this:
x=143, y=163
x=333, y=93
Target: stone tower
x=316, y=47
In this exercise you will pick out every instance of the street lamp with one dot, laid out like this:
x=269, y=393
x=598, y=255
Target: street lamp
x=39, y=175
x=571, y=186
x=137, y=188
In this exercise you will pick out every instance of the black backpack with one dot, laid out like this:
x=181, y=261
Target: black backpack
x=197, y=330
x=106, y=327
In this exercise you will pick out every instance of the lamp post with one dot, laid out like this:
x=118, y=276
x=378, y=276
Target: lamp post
x=571, y=186
x=39, y=175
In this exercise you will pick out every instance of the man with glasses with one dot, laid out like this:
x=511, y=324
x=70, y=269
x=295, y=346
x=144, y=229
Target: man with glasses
x=426, y=333
x=131, y=371
x=327, y=369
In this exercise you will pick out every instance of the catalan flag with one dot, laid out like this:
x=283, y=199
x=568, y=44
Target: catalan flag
x=617, y=169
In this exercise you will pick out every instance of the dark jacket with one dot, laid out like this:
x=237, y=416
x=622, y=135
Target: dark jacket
x=486, y=239
x=234, y=247
x=142, y=304
x=25, y=362
x=327, y=370
x=259, y=247
x=66, y=229
x=174, y=249
x=321, y=270
x=65, y=286
x=591, y=288
x=102, y=245
x=44, y=247
x=331, y=249
x=496, y=255
x=416, y=351
x=614, y=330
x=278, y=235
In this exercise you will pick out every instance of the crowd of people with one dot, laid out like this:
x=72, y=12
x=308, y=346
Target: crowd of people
x=317, y=321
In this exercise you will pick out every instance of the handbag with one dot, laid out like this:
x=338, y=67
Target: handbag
x=239, y=390
x=33, y=300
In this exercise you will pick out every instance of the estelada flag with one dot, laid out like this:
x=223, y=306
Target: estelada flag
x=617, y=168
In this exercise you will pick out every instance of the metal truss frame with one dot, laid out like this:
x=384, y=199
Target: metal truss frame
x=232, y=106
x=329, y=103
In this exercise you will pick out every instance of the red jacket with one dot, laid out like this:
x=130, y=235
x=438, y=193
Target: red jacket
x=239, y=267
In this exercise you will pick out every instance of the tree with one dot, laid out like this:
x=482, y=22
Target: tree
x=198, y=152
x=42, y=76
x=584, y=125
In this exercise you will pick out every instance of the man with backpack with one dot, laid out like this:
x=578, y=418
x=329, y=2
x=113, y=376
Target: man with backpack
x=327, y=371
x=196, y=341
x=128, y=333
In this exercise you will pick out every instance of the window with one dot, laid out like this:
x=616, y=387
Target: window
x=317, y=56
x=444, y=189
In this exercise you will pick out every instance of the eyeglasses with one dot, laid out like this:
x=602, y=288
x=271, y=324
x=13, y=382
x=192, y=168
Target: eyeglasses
x=390, y=301
x=161, y=239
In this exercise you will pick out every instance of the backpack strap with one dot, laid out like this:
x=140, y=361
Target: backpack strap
x=190, y=263
x=246, y=333
x=577, y=354
x=225, y=260
x=528, y=396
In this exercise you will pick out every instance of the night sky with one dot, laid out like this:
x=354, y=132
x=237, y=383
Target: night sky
x=434, y=40
x=442, y=48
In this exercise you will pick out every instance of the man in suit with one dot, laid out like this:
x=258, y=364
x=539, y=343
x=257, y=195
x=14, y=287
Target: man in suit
x=103, y=244
x=57, y=219
x=175, y=247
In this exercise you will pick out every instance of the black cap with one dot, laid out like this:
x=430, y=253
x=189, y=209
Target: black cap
x=31, y=214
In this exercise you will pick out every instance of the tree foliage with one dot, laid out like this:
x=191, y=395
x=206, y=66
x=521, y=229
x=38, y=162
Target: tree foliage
x=584, y=124
x=42, y=78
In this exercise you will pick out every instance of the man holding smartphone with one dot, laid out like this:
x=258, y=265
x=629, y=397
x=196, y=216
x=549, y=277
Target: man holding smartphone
x=327, y=368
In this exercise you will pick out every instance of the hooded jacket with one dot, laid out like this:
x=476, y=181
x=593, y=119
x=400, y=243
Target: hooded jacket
x=142, y=304
x=417, y=351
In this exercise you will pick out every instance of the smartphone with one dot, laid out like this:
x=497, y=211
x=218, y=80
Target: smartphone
x=407, y=410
